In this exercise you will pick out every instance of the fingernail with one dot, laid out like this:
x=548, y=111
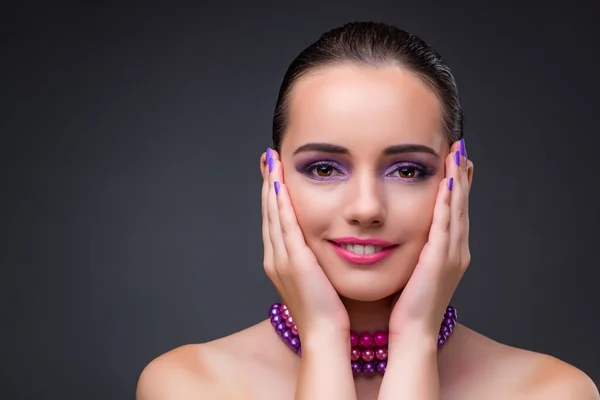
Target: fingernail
x=463, y=149
x=450, y=182
x=276, y=184
x=457, y=158
x=269, y=155
x=271, y=164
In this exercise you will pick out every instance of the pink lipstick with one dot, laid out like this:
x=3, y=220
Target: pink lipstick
x=362, y=251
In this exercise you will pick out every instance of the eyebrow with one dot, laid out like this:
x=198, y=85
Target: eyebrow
x=392, y=150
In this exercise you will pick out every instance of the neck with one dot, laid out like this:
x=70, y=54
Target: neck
x=369, y=316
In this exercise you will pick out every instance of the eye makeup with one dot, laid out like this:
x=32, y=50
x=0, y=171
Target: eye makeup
x=330, y=170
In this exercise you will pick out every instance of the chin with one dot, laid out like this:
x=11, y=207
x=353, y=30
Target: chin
x=366, y=288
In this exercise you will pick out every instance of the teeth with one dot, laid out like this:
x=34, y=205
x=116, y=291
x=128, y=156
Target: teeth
x=362, y=249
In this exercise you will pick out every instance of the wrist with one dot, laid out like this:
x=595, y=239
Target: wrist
x=325, y=337
x=414, y=340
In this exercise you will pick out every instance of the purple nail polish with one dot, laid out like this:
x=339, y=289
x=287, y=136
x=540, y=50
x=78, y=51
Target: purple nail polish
x=277, y=186
x=450, y=182
x=457, y=158
x=463, y=149
x=271, y=164
x=269, y=155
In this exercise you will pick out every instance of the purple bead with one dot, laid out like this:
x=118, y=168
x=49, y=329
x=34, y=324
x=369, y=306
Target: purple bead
x=299, y=350
x=444, y=329
x=381, y=366
x=274, y=311
x=368, y=368
x=441, y=342
x=287, y=334
x=280, y=328
x=356, y=368
x=294, y=342
x=276, y=319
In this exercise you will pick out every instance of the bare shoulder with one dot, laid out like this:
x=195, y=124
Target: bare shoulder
x=478, y=364
x=225, y=368
x=181, y=373
x=552, y=379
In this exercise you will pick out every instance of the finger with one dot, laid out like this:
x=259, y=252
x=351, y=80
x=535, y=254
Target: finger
x=439, y=233
x=268, y=247
x=455, y=168
x=293, y=238
x=279, y=251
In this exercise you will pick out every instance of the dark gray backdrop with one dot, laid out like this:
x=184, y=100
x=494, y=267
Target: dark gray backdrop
x=130, y=183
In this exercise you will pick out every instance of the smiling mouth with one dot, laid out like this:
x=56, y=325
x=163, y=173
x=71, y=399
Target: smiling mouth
x=360, y=249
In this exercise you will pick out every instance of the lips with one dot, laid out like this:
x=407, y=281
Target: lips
x=362, y=251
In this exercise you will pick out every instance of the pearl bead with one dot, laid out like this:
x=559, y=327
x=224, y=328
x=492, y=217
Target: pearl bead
x=380, y=338
x=276, y=319
x=356, y=368
x=294, y=330
x=353, y=339
x=294, y=342
x=285, y=313
x=381, y=353
x=300, y=350
x=354, y=354
x=368, y=368
x=280, y=327
x=274, y=311
x=381, y=367
x=366, y=339
x=287, y=334
x=289, y=322
x=368, y=354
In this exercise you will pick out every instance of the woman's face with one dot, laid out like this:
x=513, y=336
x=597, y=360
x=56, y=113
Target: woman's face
x=362, y=157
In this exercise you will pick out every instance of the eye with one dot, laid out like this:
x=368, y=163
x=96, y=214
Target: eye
x=323, y=171
x=407, y=172
x=410, y=172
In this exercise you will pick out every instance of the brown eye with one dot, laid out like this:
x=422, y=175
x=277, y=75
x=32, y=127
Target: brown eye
x=406, y=172
x=324, y=170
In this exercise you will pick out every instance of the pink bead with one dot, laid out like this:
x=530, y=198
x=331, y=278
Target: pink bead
x=366, y=339
x=283, y=307
x=380, y=338
x=285, y=313
x=381, y=353
x=355, y=354
x=353, y=339
x=289, y=322
x=294, y=330
x=368, y=355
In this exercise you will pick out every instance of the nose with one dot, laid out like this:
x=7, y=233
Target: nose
x=365, y=205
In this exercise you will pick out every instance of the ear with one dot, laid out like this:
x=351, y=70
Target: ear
x=470, y=168
x=263, y=164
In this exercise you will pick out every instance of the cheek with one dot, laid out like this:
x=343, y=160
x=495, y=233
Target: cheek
x=314, y=209
x=414, y=211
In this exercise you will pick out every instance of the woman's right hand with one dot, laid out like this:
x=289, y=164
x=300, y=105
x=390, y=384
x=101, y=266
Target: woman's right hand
x=291, y=265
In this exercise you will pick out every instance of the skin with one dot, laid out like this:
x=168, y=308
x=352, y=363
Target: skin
x=364, y=110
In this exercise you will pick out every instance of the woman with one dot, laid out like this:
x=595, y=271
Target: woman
x=365, y=231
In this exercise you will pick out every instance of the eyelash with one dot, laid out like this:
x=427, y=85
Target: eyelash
x=422, y=172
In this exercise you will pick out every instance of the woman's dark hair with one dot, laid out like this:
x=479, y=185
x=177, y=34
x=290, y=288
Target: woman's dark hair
x=374, y=45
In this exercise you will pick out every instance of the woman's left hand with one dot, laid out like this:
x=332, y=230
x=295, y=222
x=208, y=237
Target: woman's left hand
x=444, y=259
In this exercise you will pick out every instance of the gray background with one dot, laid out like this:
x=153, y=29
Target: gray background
x=130, y=215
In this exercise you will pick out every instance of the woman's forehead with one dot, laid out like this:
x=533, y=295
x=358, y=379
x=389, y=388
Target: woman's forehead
x=356, y=106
